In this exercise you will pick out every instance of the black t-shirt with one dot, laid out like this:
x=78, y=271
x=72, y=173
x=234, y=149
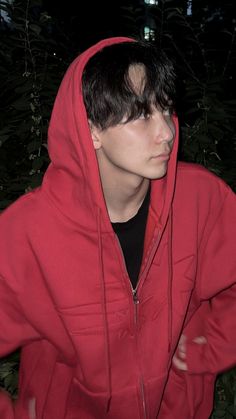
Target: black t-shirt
x=131, y=236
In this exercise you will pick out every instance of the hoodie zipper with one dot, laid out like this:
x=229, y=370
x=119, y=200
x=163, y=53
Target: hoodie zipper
x=136, y=303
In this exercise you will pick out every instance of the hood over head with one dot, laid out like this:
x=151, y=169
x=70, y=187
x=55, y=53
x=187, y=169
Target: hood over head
x=72, y=180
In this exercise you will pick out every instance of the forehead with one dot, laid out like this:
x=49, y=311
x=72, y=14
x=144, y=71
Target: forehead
x=137, y=77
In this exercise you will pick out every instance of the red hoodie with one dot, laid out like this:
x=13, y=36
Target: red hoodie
x=89, y=349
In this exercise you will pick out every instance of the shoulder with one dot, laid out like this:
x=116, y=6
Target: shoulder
x=201, y=192
x=23, y=212
x=192, y=176
x=194, y=170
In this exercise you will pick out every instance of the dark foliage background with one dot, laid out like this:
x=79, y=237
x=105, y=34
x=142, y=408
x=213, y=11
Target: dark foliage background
x=36, y=47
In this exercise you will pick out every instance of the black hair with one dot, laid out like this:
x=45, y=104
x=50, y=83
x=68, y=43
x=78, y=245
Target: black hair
x=108, y=92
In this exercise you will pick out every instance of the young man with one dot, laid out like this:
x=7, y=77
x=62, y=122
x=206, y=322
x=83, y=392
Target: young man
x=123, y=259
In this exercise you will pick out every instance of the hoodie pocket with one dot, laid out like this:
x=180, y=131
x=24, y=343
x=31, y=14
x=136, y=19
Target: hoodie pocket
x=58, y=392
x=94, y=329
x=44, y=383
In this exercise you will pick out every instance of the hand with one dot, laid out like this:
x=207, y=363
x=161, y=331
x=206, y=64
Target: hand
x=179, y=358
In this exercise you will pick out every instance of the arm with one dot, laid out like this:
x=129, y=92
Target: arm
x=215, y=321
x=208, y=344
x=6, y=406
x=210, y=340
x=14, y=331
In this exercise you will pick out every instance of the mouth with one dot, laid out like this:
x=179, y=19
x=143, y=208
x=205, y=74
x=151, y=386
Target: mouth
x=163, y=156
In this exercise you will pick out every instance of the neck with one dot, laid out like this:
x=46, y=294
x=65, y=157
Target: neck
x=123, y=191
x=123, y=202
x=123, y=196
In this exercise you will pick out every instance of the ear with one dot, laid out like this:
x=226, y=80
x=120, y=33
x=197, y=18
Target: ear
x=95, y=133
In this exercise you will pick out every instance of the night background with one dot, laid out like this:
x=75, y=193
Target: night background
x=39, y=39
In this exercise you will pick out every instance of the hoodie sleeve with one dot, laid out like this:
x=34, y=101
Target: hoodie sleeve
x=6, y=406
x=14, y=331
x=216, y=317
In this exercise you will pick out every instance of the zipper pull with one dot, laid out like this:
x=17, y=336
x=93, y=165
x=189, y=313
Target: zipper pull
x=136, y=302
x=135, y=297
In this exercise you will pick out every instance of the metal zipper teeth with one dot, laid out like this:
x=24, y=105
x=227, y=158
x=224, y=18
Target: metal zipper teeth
x=136, y=302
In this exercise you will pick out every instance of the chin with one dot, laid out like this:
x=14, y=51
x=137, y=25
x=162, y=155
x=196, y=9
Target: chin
x=157, y=175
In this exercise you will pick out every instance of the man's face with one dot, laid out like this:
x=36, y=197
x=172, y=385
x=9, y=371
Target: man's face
x=138, y=148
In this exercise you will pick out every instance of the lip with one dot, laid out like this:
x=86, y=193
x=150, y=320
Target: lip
x=163, y=156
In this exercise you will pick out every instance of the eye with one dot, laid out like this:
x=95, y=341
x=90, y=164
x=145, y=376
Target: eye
x=144, y=116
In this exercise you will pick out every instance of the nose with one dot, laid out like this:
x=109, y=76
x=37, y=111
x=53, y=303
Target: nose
x=165, y=129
